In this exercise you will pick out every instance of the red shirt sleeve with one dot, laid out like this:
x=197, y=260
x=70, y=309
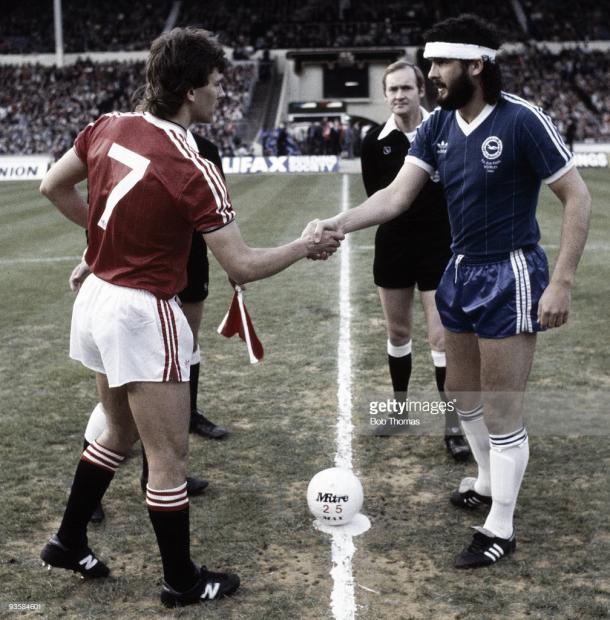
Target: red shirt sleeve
x=206, y=200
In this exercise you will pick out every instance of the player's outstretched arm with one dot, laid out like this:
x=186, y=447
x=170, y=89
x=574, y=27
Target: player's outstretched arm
x=245, y=264
x=554, y=305
x=381, y=207
x=59, y=186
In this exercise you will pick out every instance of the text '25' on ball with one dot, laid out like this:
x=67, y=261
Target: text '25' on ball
x=334, y=496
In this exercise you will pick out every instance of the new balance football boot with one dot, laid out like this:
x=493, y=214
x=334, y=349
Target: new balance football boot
x=209, y=587
x=82, y=561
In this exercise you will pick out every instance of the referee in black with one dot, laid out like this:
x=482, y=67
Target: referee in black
x=412, y=249
x=192, y=298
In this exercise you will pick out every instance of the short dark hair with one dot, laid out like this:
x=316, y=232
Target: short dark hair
x=403, y=64
x=471, y=29
x=179, y=60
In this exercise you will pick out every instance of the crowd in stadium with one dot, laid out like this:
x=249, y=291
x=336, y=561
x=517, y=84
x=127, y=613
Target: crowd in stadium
x=106, y=25
x=570, y=85
x=31, y=121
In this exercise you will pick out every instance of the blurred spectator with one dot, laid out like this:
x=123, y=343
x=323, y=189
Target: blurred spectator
x=46, y=106
x=281, y=141
x=107, y=25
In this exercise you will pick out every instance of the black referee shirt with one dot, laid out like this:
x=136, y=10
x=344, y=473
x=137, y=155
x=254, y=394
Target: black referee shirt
x=209, y=150
x=381, y=161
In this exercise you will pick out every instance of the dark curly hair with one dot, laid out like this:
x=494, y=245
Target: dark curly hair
x=179, y=60
x=471, y=29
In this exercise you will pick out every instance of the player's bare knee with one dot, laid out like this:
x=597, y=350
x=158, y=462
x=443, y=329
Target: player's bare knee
x=398, y=335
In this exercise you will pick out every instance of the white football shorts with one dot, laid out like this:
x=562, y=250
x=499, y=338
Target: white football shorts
x=129, y=334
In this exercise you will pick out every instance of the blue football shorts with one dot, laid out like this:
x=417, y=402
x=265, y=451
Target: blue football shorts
x=494, y=297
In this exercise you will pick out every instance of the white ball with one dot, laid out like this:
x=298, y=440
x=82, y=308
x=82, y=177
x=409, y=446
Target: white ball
x=334, y=495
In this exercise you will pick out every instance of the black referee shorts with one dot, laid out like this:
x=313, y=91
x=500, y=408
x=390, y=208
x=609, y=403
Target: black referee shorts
x=197, y=272
x=414, y=254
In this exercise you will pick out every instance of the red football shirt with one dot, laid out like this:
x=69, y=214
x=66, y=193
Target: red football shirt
x=148, y=190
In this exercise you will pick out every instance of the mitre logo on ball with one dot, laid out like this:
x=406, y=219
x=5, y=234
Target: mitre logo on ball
x=334, y=496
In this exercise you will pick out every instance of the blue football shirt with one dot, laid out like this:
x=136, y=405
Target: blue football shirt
x=491, y=170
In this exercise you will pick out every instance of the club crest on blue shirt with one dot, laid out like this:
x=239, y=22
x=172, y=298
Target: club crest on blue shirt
x=492, y=147
x=387, y=150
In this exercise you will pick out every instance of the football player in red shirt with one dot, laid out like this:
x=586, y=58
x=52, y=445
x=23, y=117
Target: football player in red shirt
x=148, y=190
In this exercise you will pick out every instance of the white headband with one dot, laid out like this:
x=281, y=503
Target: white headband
x=460, y=51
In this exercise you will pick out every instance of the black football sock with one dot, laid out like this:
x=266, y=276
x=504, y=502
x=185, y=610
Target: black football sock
x=169, y=514
x=194, y=385
x=399, y=361
x=440, y=373
x=452, y=425
x=93, y=475
x=144, y=466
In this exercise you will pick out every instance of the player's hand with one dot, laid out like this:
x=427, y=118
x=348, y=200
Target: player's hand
x=315, y=228
x=328, y=244
x=329, y=224
x=554, y=305
x=309, y=229
x=78, y=276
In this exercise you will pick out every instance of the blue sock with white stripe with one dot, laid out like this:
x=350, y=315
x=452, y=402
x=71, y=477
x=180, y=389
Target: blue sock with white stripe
x=477, y=434
x=508, y=459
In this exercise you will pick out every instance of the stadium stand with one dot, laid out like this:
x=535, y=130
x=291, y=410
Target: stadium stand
x=107, y=25
x=549, y=20
x=571, y=85
x=31, y=121
x=89, y=25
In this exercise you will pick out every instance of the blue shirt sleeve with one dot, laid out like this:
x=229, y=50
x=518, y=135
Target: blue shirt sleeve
x=543, y=147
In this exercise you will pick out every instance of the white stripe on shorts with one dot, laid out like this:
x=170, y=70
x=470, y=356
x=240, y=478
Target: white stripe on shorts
x=170, y=341
x=528, y=292
x=523, y=293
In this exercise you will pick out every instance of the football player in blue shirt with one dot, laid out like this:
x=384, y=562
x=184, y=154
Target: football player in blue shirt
x=492, y=151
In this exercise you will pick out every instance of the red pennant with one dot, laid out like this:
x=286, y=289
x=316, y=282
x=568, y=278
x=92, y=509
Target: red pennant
x=237, y=321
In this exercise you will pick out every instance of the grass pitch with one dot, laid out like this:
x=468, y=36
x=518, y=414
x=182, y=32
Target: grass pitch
x=282, y=413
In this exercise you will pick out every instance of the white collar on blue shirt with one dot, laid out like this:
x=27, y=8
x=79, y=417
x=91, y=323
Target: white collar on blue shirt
x=391, y=125
x=468, y=128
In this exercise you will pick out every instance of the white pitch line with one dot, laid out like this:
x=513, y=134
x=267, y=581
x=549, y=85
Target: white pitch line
x=343, y=600
x=38, y=259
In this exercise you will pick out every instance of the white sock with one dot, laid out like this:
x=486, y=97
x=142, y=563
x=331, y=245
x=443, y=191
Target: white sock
x=399, y=350
x=508, y=459
x=97, y=423
x=478, y=437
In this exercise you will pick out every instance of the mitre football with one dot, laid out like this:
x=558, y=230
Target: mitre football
x=334, y=496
